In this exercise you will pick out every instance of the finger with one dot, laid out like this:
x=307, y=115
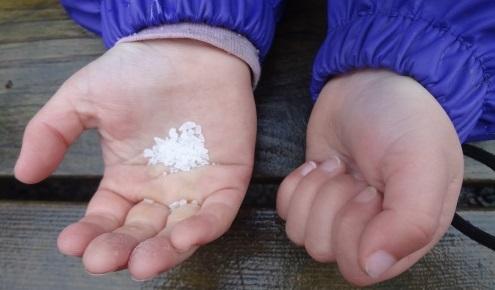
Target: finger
x=157, y=254
x=302, y=198
x=166, y=188
x=47, y=136
x=331, y=198
x=213, y=219
x=411, y=213
x=154, y=256
x=110, y=251
x=347, y=230
x=289, y=184
x=106, y=211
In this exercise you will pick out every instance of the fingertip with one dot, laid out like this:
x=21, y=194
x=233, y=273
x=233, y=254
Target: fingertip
x=46, y=138
x=320, y=255
x=29, y=175
x=108, y=252
x=366, y=196
x=152, y=257
x=378, y=263
x=332, y=165
x=295, y=233
x=21, y=168
x=181, y=238
x=306, y=168
x=71, y=241
x=289, y=184
x=194, y=231
x=141, y=266
x=21, y=175
x=397, y=235
x=40, y=155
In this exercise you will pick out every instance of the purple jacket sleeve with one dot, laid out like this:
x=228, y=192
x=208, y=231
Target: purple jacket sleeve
x=115, y=19
x=446, y=45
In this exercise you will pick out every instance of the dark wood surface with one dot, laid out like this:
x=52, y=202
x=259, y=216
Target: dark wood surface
x=254, y=254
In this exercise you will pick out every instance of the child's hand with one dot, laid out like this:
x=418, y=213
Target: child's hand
x=134, y=92
x=391, y=134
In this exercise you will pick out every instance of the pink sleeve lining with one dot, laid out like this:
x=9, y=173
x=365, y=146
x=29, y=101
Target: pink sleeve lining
x=221, y=38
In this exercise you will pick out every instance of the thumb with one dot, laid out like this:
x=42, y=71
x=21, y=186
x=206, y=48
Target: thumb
x=417, y=209
x=48, y=136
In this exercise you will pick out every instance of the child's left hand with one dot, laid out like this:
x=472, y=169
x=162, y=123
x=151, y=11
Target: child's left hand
x=391, y=134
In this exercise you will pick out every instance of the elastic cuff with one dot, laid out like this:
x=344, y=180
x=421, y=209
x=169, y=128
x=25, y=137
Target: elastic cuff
x=254, y=19
x=224, y=39
x=445, y=64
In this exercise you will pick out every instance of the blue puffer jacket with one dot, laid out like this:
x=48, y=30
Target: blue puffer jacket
x=446, y=45
x=115, y=19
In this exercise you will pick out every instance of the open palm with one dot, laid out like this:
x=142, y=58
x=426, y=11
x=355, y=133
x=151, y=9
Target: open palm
x=133, y=93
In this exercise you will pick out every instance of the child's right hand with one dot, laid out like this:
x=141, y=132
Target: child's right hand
x=393, y=135
x=135, y=92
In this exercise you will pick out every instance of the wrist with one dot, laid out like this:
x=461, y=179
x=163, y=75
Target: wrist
x=378, y=103
x=187, y=57
x=375, y=90
x=224, y=39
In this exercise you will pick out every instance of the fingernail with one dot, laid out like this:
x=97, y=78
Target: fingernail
x=367, y=195
x=331, y=164
x=95, y=274
x=379, y=262
x=141, y=280
x=148, y=201
x=307, y=168
x=358, y=176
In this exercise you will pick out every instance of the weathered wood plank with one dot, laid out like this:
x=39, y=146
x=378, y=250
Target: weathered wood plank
x=26, y=15
x=40, y=48
x=49, y=51
x=14, y=11
x=40, y=30
x=12, y=5
x=255, y=254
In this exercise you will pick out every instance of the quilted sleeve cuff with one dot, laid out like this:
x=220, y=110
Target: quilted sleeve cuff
x=453, y=68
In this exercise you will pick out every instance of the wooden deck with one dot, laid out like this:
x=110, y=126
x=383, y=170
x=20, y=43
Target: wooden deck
x=40, y=48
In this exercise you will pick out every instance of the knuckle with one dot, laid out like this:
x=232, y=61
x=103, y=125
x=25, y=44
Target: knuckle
x=423, y=227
